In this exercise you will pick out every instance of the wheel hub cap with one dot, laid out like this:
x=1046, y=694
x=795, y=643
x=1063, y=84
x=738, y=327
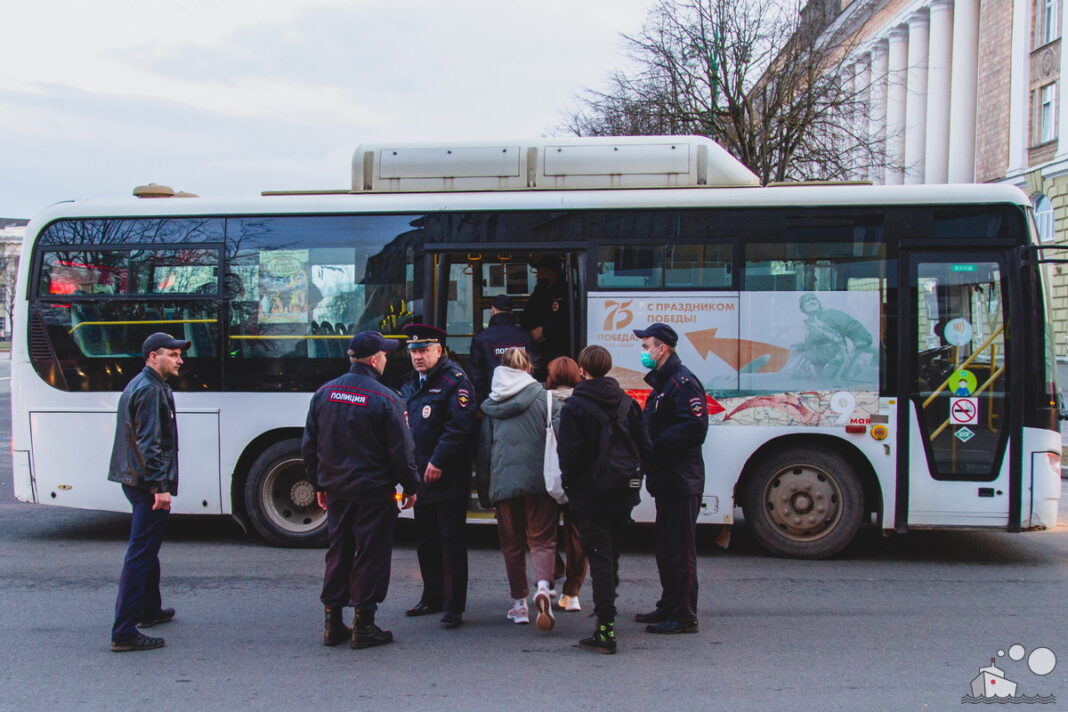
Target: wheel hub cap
x=803, y=502
x=302, y=493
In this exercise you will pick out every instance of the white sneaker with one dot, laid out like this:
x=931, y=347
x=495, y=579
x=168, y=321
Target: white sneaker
x=519, y=614
x=545, y=620
x=569, y=603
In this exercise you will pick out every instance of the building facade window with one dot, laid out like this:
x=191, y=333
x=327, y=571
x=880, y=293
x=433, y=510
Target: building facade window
x=1046, y=21
x=1045, y=114
x=1043, y=217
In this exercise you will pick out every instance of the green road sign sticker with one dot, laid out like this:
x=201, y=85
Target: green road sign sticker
x=964, y=268
x=963, y=383
x=963, y=434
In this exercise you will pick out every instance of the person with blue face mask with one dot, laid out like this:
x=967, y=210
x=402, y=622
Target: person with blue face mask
x=676, y=416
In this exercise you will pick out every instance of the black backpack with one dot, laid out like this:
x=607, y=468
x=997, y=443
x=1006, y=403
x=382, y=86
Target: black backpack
x=618, y=465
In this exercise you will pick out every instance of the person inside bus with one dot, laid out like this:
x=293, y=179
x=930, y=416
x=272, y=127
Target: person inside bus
x=563, y=377
x=598, y=423
x=488, y=344
x=548, y=314
x=443, y=420
x=144, y=459
x=511, y=478
x=676, y=417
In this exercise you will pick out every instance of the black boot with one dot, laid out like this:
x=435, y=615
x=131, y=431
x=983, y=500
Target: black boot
x=365, y=633
x=335, y=631
x=603, y=639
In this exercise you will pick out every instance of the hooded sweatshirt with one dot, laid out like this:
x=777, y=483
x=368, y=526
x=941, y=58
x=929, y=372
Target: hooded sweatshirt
x=511, y=450
x=582, y=420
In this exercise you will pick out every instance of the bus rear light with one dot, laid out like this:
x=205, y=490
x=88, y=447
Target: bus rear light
x=856, y=429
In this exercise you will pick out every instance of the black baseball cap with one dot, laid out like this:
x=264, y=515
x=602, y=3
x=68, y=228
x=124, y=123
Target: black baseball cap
x=659, y=331
x=159, y=340
x=368, y=343
x=502, y=302
x=422, y=335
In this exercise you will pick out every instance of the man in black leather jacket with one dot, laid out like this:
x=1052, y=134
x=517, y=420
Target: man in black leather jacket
x=144, y=459
x=356, y=449
x=442, y=415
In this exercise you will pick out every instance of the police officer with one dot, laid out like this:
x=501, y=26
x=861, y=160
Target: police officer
x=356, y=449
x=488, y=345
x=441, y=413
x=548, y=314
x=676, y=417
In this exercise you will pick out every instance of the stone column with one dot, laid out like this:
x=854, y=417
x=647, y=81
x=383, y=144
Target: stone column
x=897, y=63
x=916, y=97
x=1019, y=90
x=862, y=102
x=963, y=81
x=877, y=112
x=936, y=155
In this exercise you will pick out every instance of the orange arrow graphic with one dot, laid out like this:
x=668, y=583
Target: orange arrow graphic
x=739, y=353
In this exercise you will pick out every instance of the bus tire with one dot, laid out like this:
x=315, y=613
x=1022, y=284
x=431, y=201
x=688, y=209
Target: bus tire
x=280, y=500
x=804, y=503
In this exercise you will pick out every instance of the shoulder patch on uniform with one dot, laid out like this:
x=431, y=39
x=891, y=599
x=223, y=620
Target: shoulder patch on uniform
x=697, y=406
x=463, y=397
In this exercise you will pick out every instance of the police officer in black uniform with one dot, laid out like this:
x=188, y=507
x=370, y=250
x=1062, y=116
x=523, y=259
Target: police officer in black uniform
x=488, y=344
x=441, y=413
x=677, y=419
x=356, y=449
x=548, y=315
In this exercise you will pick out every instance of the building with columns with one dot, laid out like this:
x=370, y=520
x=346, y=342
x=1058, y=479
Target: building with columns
x=959, y=91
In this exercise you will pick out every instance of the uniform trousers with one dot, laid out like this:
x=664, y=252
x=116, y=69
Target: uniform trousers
x=441, y=545
x=602, y=534
x=360, y=554
x=527, y=522
x=139, y=598
x=676, y=555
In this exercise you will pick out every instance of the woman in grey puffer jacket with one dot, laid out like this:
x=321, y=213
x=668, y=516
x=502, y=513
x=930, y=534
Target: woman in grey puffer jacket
x=511, y=478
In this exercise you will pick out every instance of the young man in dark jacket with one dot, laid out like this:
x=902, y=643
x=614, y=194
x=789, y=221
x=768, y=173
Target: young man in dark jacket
x=442, y=416
x=676, y=417
x=144, y=459
x=356, y=449
x=600, y=514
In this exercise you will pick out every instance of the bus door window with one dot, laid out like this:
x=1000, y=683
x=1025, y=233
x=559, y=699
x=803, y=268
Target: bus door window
x=960, y=364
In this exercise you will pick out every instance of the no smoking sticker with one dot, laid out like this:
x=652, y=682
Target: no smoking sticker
x=964, y=411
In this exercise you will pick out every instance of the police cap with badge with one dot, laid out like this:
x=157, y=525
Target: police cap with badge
x=422, y=335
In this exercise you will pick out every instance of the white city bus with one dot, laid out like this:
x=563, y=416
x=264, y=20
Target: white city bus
x=858, y=345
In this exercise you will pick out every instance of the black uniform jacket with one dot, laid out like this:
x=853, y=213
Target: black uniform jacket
x=145, y=453
x=580, y=438
x=487, y=347
x=356, y=441
x=549, y=308
x=442, y=415
x=676, y=416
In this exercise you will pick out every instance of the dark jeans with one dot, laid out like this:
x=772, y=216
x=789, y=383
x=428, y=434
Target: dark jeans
x=360, y=554
x=441, y=546
x=602, y=534
x=139, y=597
x=676, y=555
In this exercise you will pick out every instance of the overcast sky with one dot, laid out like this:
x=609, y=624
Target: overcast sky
x=231, y=97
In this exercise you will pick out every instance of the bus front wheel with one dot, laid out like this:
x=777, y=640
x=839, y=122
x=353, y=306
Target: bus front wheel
x=280, y=500
x=804, y=503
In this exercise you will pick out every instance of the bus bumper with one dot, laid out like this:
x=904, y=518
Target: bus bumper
x=22, y=475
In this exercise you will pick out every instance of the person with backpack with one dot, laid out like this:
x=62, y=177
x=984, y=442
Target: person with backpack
x=603, y=448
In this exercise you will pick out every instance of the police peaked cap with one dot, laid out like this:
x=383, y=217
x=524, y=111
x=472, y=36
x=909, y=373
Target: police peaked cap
x=421, y=335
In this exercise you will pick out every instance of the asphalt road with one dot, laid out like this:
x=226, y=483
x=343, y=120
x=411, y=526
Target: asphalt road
x=894, y=624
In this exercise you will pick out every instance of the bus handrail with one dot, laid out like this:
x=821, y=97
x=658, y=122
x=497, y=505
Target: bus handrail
x=80, y=324
x=967, y=362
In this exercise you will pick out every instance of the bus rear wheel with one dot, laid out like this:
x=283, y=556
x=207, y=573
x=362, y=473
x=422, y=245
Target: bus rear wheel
x=280, y=499
x=804, y=503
